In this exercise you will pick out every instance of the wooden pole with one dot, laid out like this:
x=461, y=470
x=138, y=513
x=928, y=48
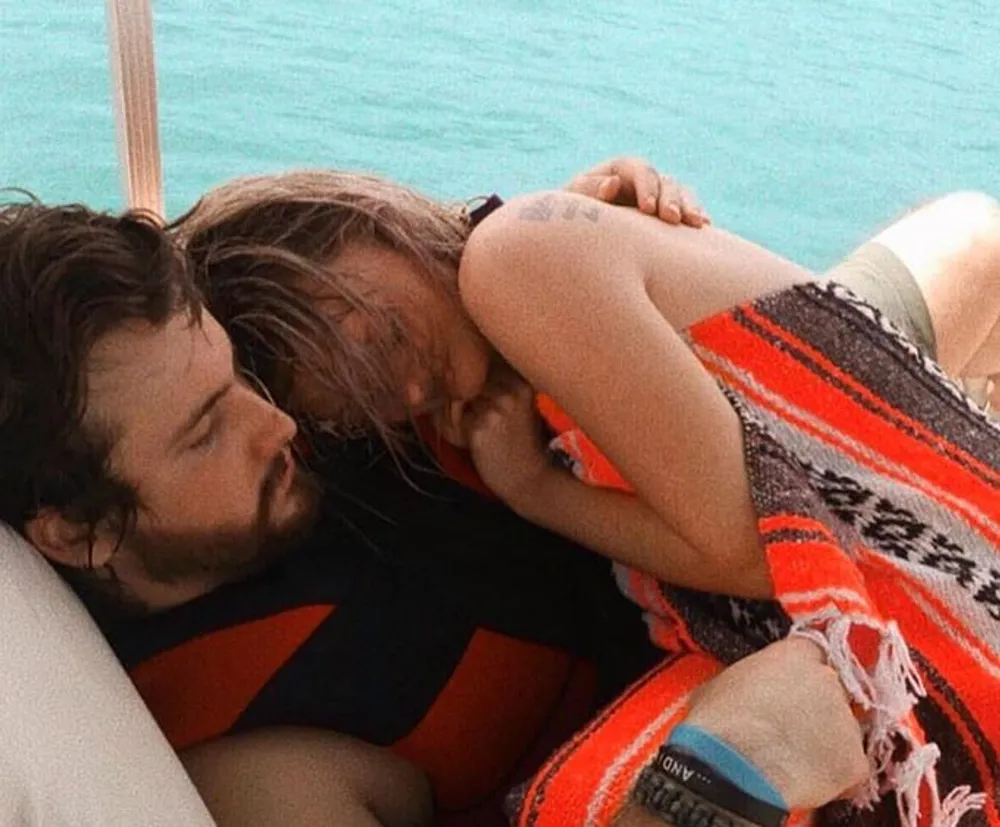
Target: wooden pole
x=133, y=89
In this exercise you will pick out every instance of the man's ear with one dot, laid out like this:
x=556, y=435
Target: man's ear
x=66, y=542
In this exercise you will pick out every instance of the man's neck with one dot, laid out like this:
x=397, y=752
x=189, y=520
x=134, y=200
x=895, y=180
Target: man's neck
x=110, y=601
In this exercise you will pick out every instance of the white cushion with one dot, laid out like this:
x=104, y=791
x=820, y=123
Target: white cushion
x=77, y=745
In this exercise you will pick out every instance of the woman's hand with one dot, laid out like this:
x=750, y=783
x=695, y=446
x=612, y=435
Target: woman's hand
x=634, y=182
x=505, y=439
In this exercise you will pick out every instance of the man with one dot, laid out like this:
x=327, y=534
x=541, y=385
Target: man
x=146, y=468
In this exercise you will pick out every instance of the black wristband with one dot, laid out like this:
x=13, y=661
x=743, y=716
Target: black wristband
x=676, y=805
x=675, y=773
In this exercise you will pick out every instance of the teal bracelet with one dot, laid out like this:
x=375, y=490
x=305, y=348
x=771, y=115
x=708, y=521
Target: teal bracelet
x=729, y=763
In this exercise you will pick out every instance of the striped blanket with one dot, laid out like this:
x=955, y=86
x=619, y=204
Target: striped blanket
x=877, y=486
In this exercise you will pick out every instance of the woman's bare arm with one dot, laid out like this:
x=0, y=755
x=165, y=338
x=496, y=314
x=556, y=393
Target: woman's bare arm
x=586, y=302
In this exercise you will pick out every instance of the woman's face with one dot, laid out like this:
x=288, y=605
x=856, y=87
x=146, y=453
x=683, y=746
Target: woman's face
x=441, y=365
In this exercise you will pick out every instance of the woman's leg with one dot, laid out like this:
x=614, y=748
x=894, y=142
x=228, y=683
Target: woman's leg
x=936, y=274
x=952, y=248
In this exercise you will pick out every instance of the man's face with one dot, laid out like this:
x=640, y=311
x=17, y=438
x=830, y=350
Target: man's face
x=220, y=492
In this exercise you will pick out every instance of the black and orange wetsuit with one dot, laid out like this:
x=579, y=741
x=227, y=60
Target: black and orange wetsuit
x=433, y=621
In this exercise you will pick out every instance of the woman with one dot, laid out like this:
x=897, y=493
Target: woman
x=392, y=339
x=791, y=448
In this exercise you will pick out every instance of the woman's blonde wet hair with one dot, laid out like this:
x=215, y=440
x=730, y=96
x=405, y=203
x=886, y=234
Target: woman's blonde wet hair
x=265, y=248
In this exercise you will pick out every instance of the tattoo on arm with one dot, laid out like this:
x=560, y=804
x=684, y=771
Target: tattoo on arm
x=540, y=209
x=570, y=212
x=560, y=207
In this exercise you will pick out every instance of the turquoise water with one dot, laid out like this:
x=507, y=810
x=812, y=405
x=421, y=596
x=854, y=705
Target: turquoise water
x=803, y=125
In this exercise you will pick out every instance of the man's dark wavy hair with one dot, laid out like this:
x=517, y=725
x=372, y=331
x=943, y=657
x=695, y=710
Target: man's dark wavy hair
x=69, y=276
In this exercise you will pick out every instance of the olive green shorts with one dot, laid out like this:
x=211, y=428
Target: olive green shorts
x=879, y=277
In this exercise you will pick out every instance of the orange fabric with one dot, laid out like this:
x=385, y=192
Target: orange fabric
x=849, y=583
x=587, y=781
x=521, y=682
x=899, y=438
x=224, y=670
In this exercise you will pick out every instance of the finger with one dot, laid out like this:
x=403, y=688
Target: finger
x=692, y=212
x=669, y=206
x=514, y=399
x=484, y=426
x=524, y=391
x=608, y=188
x=647, y=185
x=504, y=391
x=588, y=185
x=476, y=410
x=600, y=170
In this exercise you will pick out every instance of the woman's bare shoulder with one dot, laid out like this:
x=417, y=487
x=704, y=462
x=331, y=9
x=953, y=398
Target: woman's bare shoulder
x=537, y=235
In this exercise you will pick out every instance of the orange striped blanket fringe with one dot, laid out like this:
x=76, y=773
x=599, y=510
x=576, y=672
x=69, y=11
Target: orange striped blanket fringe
x=877, y=486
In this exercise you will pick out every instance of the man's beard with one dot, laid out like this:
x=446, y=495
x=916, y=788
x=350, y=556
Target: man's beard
x=227, y=554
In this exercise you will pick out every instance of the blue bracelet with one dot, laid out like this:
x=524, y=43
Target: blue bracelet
x=711, y=750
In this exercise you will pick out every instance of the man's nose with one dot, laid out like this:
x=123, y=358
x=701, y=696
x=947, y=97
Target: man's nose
x=275, y=429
